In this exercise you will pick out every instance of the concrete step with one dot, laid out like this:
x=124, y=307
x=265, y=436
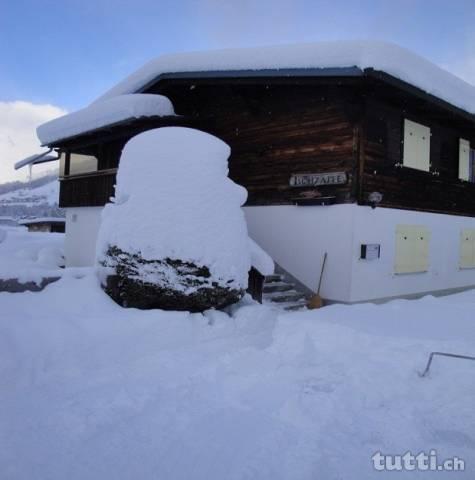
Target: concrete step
x=277, y=287
x=289, y=306
x=276, y=277
x=286, y=296
x=292, y=306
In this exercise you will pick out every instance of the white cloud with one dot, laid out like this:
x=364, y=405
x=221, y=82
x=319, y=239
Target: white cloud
x=18, y=122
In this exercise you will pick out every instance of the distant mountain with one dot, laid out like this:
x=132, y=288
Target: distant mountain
x=38, y=198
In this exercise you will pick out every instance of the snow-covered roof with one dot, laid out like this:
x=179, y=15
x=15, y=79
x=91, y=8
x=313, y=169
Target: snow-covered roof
x=31, y=221
x=111, y=111
x=359, y=55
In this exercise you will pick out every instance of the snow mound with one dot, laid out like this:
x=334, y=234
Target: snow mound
x=175, y=203
x=30, y=257
x=260, y=259
x=392, y=59
x=112, y=111
x=50, y=257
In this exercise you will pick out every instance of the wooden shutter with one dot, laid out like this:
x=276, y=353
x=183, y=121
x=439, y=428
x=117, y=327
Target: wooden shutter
x=464, y=159
x=412, y=249
x=467, y=248
x=416, y=146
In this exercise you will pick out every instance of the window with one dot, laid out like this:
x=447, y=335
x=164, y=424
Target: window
x=78, y=164
x=412, y=249
x=467, y=248
x=62, y=163
x=416, y=152
x=466, y=161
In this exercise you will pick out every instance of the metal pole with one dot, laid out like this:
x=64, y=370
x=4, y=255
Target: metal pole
x=442, y=354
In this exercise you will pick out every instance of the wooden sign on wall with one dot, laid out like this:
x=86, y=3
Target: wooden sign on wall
x=318, y=179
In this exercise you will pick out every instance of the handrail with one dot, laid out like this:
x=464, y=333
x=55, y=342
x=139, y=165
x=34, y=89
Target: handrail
x=442, y=354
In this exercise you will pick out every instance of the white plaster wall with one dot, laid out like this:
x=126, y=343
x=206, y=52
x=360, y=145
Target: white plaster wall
x=376, y=279
x=82, y=227
x=297, y=237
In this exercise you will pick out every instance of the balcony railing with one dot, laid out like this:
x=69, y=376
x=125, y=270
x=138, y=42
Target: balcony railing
x=87, y=190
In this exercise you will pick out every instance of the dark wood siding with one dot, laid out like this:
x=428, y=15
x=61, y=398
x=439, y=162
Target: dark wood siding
x=91, y=190
x=439, y=190
x=281, y=127
x=274, y=131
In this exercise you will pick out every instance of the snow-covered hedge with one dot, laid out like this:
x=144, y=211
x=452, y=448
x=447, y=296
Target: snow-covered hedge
x=175, y=236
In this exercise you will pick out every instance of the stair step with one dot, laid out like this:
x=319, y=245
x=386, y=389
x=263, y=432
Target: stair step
x=289, y=306
x=287, y=296
x=277, y=287
x=275, y=277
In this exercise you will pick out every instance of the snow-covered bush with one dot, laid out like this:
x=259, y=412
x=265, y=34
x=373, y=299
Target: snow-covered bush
x=175, y=236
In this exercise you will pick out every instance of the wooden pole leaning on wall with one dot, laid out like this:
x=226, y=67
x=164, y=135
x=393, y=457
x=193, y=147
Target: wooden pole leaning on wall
x=316, y=301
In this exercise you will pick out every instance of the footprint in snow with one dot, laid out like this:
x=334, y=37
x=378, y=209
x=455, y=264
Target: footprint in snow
x=318, y=385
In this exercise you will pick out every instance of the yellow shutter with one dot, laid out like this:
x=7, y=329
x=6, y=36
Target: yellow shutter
x=464, y=159
x=412, y=249
x=467, y=248
x=416, y=146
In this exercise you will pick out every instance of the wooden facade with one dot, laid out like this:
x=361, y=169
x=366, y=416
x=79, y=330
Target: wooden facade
x=278, y=127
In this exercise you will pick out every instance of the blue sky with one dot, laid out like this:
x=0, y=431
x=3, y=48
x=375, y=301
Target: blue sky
x=59, y=55
x=68, y=52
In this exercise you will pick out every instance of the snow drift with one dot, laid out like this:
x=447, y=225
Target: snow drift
x=175, y=236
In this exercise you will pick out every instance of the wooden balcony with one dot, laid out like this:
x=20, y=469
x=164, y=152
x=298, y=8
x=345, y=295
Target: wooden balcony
x=87, y=190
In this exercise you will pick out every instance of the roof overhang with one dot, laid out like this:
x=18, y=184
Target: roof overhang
x=36, y=159
x=417, y=92
x=308, y=73
x=341, y=72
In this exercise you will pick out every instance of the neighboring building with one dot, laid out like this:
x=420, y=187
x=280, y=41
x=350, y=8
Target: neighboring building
x=45, y=224
x=361, y=150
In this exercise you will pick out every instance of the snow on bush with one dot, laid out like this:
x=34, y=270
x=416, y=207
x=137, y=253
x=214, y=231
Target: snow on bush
x=175, y=236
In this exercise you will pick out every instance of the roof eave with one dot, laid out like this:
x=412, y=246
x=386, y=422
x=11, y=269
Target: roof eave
x=263, y=73
x=418, y=92
x=60, y=142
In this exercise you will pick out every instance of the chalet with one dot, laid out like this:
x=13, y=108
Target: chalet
x=361, y=150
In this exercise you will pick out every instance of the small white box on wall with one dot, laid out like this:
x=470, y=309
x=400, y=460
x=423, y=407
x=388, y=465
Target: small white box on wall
x=412, y=249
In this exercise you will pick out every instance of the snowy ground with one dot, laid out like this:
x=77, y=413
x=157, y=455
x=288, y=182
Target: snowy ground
x=89, y=390
x=30, y=256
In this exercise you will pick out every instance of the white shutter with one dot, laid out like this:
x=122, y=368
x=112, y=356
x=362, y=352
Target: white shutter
x=467, y=248
x=464, y=159
x=416, y=146
x=412, y=249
